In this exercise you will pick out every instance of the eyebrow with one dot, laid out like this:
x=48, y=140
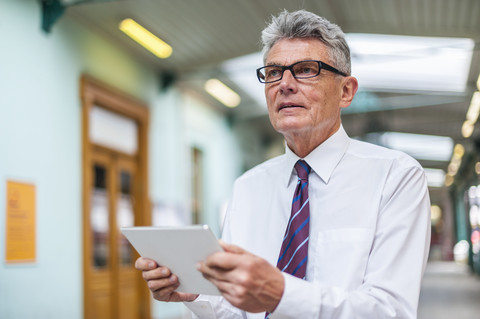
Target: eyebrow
x=280, y=64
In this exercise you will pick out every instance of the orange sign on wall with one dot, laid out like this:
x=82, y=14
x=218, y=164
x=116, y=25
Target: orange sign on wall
x=20, y=223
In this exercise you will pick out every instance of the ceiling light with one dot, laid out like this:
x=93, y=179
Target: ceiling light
x=223, y=93
x=420, y=146
x=467, y=128
x=474, y=108
x=477, y=168
x=435, y=213
x=435, y=177
x=454, y=166
x=395, y=62
x=449, y=180
x=145, y=38
x=459, y=151
x=455, y=163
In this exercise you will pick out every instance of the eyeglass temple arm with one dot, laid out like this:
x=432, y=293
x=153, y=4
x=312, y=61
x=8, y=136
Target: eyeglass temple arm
x=332, y=69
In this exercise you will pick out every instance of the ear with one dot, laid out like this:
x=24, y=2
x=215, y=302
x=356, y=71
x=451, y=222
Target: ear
x=349, y=88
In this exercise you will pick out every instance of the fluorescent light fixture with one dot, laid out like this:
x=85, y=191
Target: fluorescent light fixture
x=145, y=38
x=383, y=62
x=435, y=177
x=420, y=146
x=410, y=63
x=222, y=93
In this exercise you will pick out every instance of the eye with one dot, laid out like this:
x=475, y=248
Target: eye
x=306, y=69
x=273, y=73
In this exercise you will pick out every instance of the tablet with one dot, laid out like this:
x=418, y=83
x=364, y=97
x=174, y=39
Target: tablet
x=180, y=249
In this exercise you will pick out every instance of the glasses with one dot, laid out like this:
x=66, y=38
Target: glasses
x=300, y=70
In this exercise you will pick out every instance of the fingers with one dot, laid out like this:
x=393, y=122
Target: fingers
x=169, y=283
x=145, y=264
x=161, y=282
x=212, y=273
x=162, y=293
x=157, y=273
x=228, y=259
x=168, y=295
x=231, y=248
x=221, y=260
x=164, y=290
x=186, y=297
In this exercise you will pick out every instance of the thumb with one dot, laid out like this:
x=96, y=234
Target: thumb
x=231, y=248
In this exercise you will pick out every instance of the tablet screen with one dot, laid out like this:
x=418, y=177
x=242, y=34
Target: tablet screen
x=178, y=248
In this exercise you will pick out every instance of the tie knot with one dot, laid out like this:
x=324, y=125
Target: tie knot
x=303, y=169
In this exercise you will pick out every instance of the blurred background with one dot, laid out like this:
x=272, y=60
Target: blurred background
x=143, y=112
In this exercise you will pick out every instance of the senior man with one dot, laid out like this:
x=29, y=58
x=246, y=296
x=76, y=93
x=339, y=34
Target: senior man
x=353, y=242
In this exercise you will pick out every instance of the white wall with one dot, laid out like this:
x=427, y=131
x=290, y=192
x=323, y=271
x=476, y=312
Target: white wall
x=40, y=143
x=208, y=131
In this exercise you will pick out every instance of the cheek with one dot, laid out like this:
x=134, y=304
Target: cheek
x=269, y=99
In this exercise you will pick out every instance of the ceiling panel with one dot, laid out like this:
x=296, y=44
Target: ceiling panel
x=205, y=33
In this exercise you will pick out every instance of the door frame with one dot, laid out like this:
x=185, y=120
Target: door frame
x=94, y=92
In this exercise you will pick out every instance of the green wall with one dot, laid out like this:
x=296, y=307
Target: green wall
x=40, y=143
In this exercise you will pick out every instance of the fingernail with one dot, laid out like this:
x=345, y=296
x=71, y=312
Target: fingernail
x=172, y=279
x=151, y=265
x=198, y=266
x=164, y=272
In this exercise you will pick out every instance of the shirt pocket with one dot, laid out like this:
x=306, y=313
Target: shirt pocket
x=341, y=256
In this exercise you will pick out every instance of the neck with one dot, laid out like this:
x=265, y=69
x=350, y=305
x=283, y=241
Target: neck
x=304, y=144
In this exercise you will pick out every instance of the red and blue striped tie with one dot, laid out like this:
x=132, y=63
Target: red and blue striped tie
x=294, y=253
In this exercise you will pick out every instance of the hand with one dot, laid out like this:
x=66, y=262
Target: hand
x=161, y=282
x=247, y=281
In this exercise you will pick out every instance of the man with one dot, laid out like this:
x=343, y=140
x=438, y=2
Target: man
x=365, y=209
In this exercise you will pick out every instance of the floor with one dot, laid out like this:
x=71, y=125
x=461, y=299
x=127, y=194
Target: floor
x=449, y=291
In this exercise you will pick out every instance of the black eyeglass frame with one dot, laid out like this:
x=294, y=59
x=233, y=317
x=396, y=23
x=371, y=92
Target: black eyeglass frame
x=321, y=65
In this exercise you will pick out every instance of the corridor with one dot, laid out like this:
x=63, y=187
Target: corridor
x=449, y=291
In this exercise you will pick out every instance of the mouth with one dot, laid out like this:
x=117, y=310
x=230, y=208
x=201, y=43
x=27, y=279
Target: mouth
x=289, y=106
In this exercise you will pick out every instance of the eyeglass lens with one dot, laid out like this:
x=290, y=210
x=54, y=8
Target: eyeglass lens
x=301, y=70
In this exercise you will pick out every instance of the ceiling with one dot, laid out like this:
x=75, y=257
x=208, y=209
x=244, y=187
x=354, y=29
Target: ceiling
x=205, y=33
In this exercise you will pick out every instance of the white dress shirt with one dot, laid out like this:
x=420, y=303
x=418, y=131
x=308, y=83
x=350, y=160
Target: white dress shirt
x=369, y=232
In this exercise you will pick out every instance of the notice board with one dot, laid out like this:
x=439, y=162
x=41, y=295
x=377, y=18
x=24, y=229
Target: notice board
x=20, y=224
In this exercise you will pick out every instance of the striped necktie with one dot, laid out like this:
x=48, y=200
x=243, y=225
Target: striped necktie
x=294, y=253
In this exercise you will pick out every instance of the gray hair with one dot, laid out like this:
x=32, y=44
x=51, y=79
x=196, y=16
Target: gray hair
x=306, y=25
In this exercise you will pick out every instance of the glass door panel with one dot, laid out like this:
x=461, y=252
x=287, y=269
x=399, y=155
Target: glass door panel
x=99, y=218
x=125, y=216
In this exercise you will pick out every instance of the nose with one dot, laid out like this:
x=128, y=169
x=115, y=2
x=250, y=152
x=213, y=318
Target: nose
x=288, y=83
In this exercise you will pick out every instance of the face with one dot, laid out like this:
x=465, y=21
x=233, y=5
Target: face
x=305, y=108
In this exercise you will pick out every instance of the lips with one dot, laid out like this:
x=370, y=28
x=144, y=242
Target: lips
x=288, y=105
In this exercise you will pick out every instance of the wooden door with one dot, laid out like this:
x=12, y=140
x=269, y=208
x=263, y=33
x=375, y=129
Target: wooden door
x=115, y=195
x=113, y=281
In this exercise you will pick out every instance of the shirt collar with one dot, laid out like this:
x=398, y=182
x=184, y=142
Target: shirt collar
x=323, y=159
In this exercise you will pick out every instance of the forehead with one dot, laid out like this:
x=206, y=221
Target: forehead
x=288, y=51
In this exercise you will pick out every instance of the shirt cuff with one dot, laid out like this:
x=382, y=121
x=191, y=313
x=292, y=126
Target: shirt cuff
x=211, y=307
x=299, y=300
x=201, y=308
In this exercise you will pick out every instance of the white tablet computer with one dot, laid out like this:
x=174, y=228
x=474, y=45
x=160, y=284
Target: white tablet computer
x=180, y=249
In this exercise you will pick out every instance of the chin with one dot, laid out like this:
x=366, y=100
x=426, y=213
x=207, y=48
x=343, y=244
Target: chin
x=289, y=124
x=289, y=129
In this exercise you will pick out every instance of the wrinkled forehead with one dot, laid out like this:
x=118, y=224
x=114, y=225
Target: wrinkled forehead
x=288, y=51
